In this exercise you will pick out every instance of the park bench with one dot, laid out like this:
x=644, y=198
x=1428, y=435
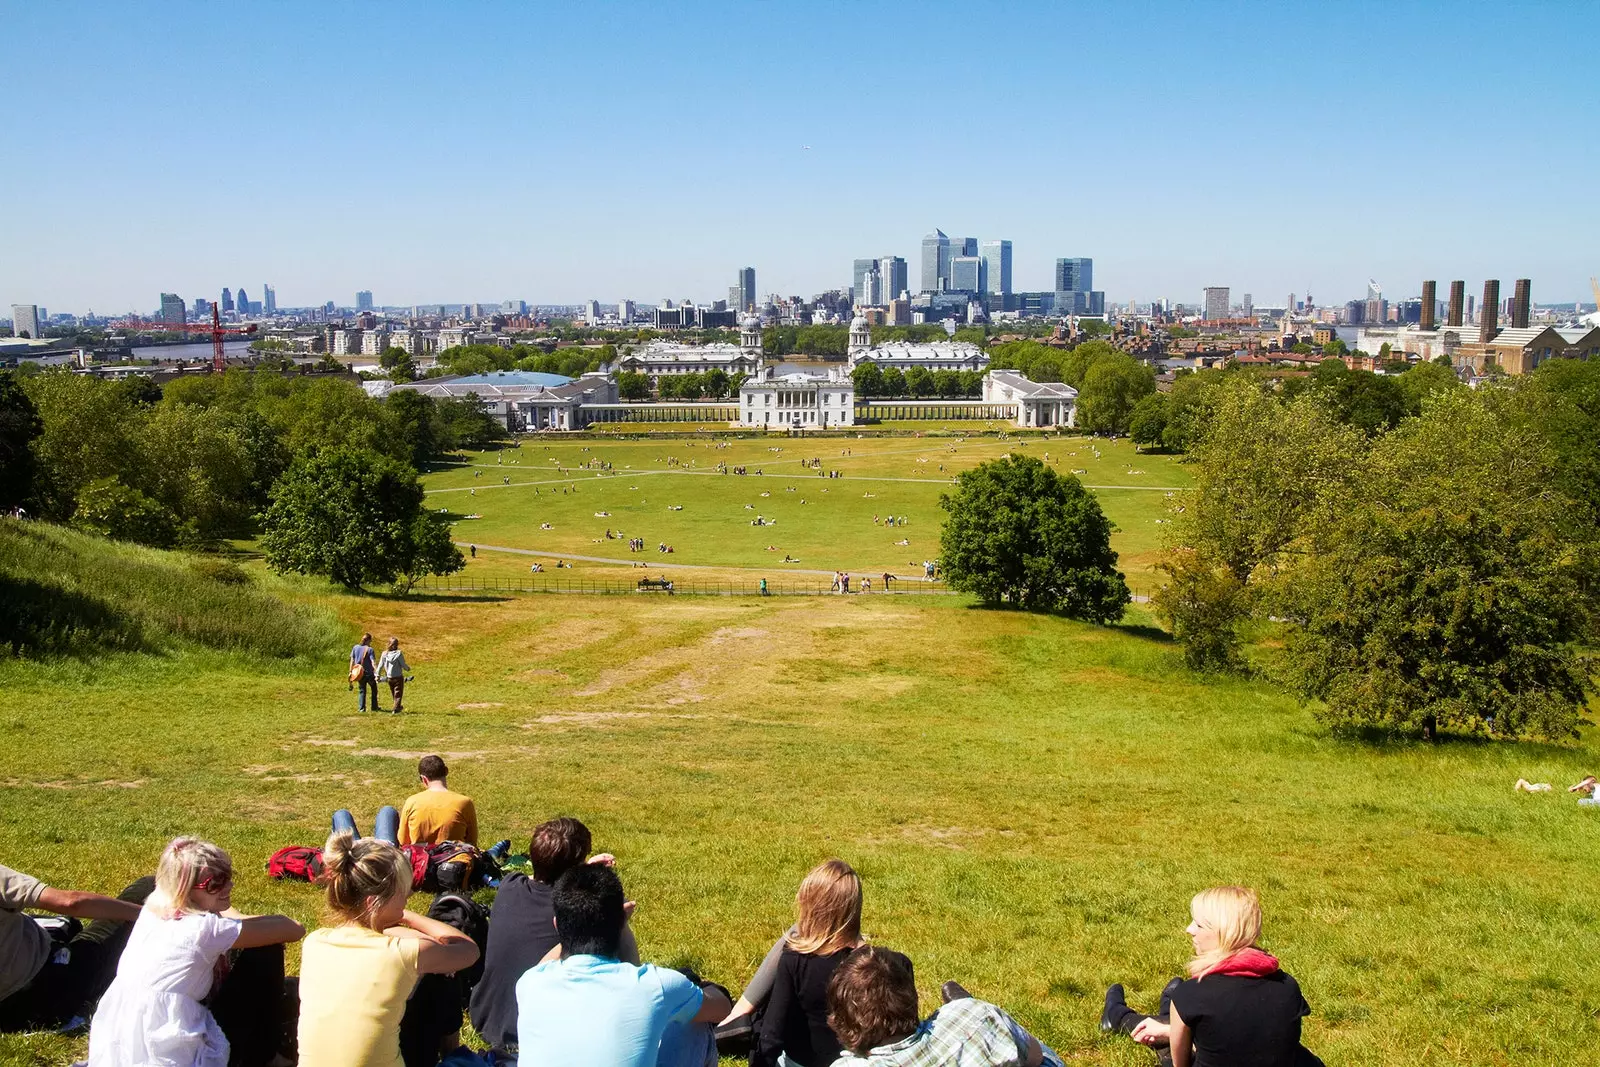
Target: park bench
x=648, y=584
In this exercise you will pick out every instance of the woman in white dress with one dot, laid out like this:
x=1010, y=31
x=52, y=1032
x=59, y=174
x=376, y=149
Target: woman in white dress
x=177, y=955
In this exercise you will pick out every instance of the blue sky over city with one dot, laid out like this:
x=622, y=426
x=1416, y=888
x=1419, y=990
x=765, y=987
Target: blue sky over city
x=561, y=152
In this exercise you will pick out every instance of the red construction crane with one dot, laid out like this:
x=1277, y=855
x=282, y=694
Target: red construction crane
x=216, y=330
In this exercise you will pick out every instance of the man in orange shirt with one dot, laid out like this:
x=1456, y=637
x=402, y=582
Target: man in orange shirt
x=437, y=813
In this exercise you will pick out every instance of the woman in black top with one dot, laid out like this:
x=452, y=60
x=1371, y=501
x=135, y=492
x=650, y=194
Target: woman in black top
x=827, y=929
x=1238, y=1008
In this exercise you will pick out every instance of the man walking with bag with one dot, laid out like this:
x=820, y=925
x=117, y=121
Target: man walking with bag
x=364, y=673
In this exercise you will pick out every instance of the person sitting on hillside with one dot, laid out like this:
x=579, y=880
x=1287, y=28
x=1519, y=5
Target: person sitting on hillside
x=40, y=987
x=437, y=813
x=872, y=1006
x=197, y=979
x=794, y=1029
x=522, y=929
x=357, y=979
x=591, y=1007
x=1236, y=1006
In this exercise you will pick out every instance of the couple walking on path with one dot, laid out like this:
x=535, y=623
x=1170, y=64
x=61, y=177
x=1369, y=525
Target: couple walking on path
x=366, y=669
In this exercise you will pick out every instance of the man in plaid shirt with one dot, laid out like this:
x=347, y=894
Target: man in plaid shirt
x=872, y=1007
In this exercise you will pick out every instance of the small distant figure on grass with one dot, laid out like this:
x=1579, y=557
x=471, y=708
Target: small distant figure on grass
x=364, y=673
x=392, y=668
x=474, y=550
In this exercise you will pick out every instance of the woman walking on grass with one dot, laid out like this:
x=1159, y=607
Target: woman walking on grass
x=392, y=668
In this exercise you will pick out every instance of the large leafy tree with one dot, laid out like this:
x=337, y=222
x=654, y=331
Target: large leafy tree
x=20, y=424
x=868, y=379
x=1112, y=386
x=1441, y=589
x=345, y=513
x=1020, y=534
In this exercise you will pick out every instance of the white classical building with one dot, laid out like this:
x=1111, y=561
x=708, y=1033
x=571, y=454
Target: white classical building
x=937, y=355
x=524, y=401
x=674, y=357
x=1036, y=404
x=797, y=401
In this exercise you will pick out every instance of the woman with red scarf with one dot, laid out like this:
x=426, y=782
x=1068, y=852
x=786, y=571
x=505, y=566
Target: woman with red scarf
x=1237, y=1007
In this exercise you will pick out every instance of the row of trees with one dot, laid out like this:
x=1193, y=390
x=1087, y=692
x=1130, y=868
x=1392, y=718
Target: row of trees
x=1434, y=574
x=205, y=458
x=1110, y=382
x=713, y=384
x=871, y=380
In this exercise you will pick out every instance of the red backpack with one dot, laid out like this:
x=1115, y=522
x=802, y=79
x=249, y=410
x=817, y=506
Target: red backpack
x=301, y=862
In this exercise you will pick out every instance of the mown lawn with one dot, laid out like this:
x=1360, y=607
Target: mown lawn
x=1030, y=800
x=823, y=524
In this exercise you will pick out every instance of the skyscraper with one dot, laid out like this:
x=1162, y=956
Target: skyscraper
x=858, y=274
x=172, y=309
x=996, y=257
x=1249, y=307
x=1074, y=275
x=892, y=272
x=243, y=302
x=269, y=299
x=364, y=300
x=227, y=300
x=747, y=290
x=871, y=292
x=935, y=262
x=25, y=321
x=625, y=310
x=964, y=274
x=1216, y=303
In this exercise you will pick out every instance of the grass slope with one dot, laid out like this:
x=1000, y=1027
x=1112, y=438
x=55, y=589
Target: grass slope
x=1031, y=801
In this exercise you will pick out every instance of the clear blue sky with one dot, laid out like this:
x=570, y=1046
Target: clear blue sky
x=560, y=151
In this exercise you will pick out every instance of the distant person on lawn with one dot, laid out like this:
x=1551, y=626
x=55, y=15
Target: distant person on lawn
x=591, y=1007
x=437, y=813
x=392, y=668
x=522, y=929
x=199, y=984
x=364, y=672
x=872, y=1006
x=41, y=989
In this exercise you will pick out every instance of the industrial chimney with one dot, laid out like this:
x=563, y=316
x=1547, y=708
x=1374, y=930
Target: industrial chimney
x=1489, y=312
x=1522, y=303
x=1430, y=303
x=1458, y=302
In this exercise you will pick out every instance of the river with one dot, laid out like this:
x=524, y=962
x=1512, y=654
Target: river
x=190, y=353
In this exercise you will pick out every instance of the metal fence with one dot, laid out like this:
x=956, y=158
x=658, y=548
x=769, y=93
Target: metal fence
x=453, y=583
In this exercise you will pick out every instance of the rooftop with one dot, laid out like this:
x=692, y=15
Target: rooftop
x=511, y=378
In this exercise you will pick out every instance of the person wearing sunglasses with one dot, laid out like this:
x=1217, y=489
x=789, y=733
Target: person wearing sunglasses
x=198, y=979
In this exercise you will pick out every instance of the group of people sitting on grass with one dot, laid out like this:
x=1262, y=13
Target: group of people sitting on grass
x=171, y=973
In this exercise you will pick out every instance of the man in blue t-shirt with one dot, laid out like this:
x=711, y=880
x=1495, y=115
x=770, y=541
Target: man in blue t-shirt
x=364, y=672
x=588, y=1006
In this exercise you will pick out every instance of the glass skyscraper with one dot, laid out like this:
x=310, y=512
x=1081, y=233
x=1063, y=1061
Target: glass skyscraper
x=1074, y=275
x=996, y=256
x=935, y=262
x=747, y=289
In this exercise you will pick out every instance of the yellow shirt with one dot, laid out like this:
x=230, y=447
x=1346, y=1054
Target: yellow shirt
x=353, y=988
x=436, y=815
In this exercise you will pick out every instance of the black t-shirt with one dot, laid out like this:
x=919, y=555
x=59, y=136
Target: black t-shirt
x=522, y=928
x=1242, y=1022
x=796, y=1019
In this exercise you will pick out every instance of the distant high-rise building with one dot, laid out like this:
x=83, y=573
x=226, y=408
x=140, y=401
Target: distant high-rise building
x=1522, y=304
x=1288, y=307
x=625, y=310
x=964, y=274
x=269, y=299
x=227, y=300
x=1074, y=275
x=242, y=302
x=996, y=257
x=746, y=283
x=1458, y=302
x=172, y=309
x=514, y=307
x=892, y=273
x=871, y=292
x=859, y=270
x=364, y=300
x=1430, y=304
x=25, y=321
x=200, y=309
x=1216, y=303
x=935, y=262
x=963, y=246
x=1249, y=307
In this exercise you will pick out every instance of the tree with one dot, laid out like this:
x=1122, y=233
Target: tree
x=868, y=379
x=691, y=385
x=894, y=382
x=716, y=383
x=735, y=381
x=1442, y=589
x=412, y=418
x=631, y=385
x=919, y=382
x=947, y=383
x=1020, y=534
x=107, y=507
x=428, y=550
x=1075, y=365
x=1423, y=381
x=20, y=425
x=1203, y=605
x=1112, y=386
x=1148, y=422
x=1335, y=349
x=345, y=513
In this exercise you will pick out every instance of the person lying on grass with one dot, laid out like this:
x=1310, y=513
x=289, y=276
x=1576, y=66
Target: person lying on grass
x=1237, y=1005
x=199, y=984
x=872, y=1007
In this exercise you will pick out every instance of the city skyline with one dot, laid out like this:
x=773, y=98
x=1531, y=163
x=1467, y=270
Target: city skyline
x=1332, y=200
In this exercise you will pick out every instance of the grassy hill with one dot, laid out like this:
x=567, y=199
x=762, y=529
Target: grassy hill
x=1031, y=801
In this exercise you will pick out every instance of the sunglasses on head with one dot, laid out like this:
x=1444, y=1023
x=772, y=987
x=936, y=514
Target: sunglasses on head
x=215, y=883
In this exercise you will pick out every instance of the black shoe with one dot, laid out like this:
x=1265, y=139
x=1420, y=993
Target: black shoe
x=953, y=991
x=1116, y=1004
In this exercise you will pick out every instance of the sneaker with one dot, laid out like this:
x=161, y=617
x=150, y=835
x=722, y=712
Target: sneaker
x=1116, y=1004
x=953, y=991
x=73, y=1025
x=740, y=1027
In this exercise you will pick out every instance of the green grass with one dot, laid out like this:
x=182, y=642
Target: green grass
x=825, y=524
x=1031, y=801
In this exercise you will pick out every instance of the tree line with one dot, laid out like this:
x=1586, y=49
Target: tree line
x=1110, y=383
x=210, y=458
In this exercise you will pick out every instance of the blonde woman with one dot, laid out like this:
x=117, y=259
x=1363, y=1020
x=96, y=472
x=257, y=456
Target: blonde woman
x=1236, y=1006
x=392, y=668
x=356, y=976
x=795, y=1030
x=182, y=951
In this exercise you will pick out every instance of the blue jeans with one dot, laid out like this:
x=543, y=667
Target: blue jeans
x=386, y=828
x=368, y=681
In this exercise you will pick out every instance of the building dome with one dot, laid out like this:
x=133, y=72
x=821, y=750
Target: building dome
x=858, y=323
x=751, y=322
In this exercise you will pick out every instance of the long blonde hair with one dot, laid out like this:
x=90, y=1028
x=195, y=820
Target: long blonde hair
x=1235, y=914
x=185, y=863
x=356, y=872
x=827, y=909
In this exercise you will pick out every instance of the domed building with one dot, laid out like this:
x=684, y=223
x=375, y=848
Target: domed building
x=935, y=355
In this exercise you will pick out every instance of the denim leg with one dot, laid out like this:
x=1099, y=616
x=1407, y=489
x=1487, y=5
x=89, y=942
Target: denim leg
x=343, y=820
x=387, y=828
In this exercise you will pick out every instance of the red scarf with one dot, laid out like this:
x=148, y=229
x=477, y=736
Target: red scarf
x=1247, y=963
